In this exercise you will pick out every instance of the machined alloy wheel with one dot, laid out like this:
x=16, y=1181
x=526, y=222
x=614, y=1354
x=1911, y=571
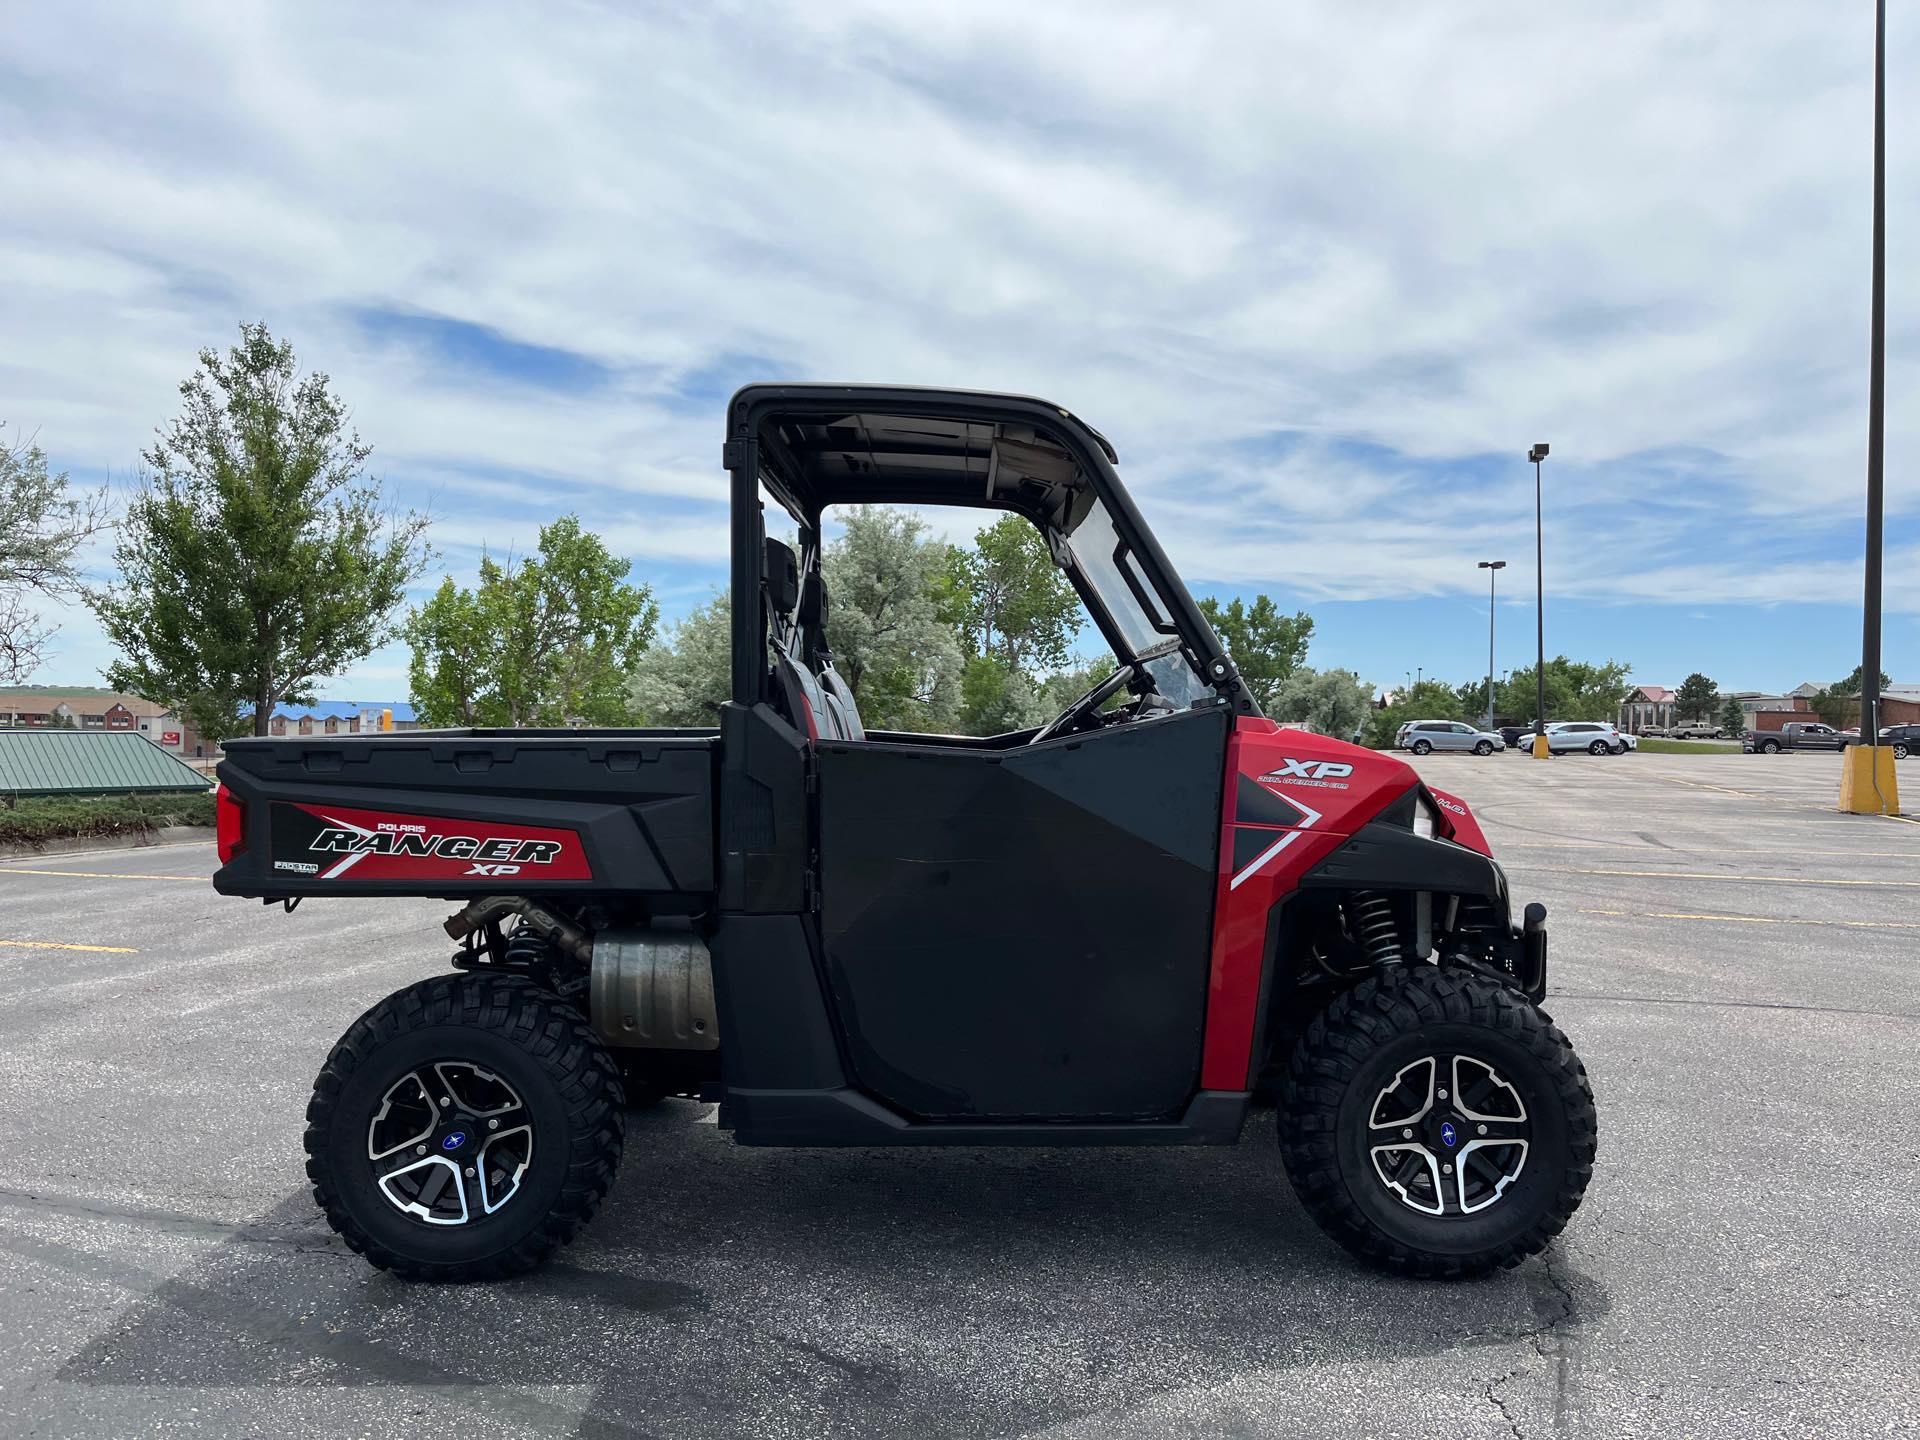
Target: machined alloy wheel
x=1423, y=747
x=1438, y=1123
x=1899, y=749
x=464, y=1128
x=1598, y=747
x=1484, y=747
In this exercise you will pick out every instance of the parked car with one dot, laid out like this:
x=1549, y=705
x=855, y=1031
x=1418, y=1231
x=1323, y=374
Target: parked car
x=1597, y=737
x=1904, y=739
x=1695, y=730
x=1515, y=735
x=1808, y=735
x=1423, y=737
x=1657, y=732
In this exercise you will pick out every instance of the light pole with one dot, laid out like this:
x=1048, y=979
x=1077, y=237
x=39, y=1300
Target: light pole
x=1492, y=567
x=1867, y=786
x=1540, y=750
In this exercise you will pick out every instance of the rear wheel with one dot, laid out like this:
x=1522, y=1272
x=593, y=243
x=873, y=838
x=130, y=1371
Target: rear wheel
x=1769, y=747
x=1437, y=1123
x=464, y=1128
x=1423, y=747
x=1899, y=749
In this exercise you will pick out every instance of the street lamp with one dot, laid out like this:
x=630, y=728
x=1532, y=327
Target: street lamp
x=1867, y=781
x=1491, y=567
x=1540, y=751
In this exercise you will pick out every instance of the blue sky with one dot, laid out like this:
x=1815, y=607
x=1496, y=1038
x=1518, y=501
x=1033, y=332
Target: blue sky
x=1322, y=276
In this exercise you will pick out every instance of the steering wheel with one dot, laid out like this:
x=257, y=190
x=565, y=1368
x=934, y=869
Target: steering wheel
x=1076, y=714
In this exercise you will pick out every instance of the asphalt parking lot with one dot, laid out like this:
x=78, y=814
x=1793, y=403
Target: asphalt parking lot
x=1738, y=965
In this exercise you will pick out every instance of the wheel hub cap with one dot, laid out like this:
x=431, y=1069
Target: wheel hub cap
x=1448, y=1135
x=450, y=1143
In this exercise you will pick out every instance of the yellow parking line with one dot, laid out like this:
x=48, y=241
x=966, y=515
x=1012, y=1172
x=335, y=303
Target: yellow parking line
x=100, y=874
x=62, y=945
x=1754, y=919
x=1740, y=879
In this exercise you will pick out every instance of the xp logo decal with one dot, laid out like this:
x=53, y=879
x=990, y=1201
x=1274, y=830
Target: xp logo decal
x=1325, y=774
x=459, y=1138
x=1448, y=1135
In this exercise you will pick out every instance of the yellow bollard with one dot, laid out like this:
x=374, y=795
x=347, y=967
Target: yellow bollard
x=1868, y=785
x=1540, y=750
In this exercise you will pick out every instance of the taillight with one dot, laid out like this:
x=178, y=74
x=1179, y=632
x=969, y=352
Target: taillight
x=229, y=824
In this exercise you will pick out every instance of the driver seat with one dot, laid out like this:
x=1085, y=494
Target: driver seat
x=837, y=694
x=800, y=693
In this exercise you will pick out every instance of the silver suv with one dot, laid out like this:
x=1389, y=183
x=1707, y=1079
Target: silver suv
x=1598, y=737
x=1423, y=737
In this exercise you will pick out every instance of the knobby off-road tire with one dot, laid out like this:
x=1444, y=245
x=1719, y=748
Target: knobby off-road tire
x=505, y=1048
x=1349, y=1059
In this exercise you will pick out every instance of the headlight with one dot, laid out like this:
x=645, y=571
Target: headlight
x=1423, y=818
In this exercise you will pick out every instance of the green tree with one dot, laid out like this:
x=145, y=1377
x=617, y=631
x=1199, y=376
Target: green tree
x=1266, y=645
x=1697, y=697
x=996, y=697
x=43, y=522
x=1576, y=690
x=886, y=580
x=549, y=640
x=257, y=558
x=1427, y=700
x=1009, y=599
x=1733, y=719
x=687, y=680
x=1334, y=702
x=1839, y=704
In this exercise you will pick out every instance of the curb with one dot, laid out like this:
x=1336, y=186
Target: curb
x=87, y=844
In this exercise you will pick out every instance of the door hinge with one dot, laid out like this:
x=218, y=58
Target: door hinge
x=810, y=891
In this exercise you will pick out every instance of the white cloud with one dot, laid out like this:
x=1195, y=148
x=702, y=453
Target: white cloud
x=1412, y=235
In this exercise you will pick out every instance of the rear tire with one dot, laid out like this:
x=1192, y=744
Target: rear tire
x=1769, y=747
x=483, y=1203
x=1900, y=750
x=1422, y=747
x=1598, y=747
x=1350, y=1063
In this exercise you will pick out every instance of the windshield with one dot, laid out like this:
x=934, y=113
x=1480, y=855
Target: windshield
x=1108, y=568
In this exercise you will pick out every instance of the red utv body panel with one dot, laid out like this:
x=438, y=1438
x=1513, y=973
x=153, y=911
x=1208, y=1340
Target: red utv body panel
x=1291, y=798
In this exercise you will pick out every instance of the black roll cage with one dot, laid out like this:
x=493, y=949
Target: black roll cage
x=816, y=445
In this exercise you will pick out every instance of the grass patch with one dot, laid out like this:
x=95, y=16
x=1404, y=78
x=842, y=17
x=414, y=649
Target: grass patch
x=36, y=820
x=1656, y=746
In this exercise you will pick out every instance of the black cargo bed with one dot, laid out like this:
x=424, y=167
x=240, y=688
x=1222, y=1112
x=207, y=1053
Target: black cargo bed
x=461, y=812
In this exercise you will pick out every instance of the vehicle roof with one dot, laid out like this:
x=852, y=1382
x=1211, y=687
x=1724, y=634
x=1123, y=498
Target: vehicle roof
x=827, y=444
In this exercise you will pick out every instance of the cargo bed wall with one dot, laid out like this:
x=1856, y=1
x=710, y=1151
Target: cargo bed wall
x=455, y=812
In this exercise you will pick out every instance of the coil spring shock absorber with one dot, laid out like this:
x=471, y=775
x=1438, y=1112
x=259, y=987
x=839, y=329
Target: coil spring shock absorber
x=1371, y=921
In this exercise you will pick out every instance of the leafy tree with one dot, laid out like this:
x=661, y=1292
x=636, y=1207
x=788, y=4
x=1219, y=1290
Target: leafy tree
x=688, y=679
x=257, y=558
x=1839, y=704
x=1427, y=700
x=1009, y=599
x=900, y=658
x=1733, y=719
x=996, y=697
x=550, y=640
x=1576, y=690
x=1334, y=702
x=1696, y=698
x=43, y=523
x=1266, y=646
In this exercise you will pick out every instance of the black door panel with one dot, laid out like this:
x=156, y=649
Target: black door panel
x=1024, y=933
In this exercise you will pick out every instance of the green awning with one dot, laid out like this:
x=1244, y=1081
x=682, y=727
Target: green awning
x=83, y=762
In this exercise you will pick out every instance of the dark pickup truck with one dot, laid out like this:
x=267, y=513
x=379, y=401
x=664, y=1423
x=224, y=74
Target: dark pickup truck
x=1796, y=736
x=1116, y=928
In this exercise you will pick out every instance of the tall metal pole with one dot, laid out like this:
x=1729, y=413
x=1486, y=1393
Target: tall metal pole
x=1876, y=387
x=1492, y=567
x=1537, y=454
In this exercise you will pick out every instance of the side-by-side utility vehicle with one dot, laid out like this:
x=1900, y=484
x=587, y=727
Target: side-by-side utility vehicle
x=1117, y=929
